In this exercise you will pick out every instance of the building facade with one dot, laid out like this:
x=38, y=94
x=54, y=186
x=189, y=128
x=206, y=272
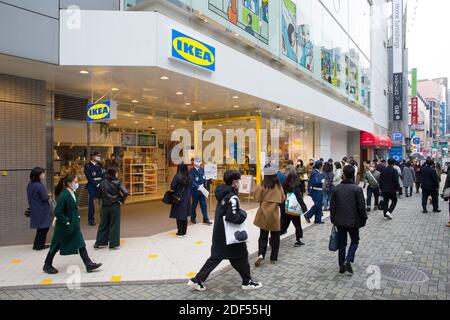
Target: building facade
x=310, y=75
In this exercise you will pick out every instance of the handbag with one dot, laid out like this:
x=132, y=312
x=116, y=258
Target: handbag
x=446, y=193
x=333, y=245
x=170, y=197
x=27, y=213
x=292, y=206
x=235, y=233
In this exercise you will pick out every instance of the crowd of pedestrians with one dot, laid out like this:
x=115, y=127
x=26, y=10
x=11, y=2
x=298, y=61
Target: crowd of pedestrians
x=332, y=186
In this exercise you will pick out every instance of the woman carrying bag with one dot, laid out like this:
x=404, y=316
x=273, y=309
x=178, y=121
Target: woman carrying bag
x=292, y=185
x=67, y=237
x=38, y=201
x=181, y=188
x=270, y=195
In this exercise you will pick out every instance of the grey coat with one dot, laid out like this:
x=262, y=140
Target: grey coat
x=408, y=176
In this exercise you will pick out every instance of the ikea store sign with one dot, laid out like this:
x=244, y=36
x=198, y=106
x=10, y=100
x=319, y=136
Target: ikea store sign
x=195, y=52
x=101, y=111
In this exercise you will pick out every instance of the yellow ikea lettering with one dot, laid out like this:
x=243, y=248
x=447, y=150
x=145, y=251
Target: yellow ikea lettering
x=193, y=51
x=98, y=111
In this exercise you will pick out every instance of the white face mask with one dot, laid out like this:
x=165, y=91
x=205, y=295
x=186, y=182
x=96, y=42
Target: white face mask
x=75, y=186
x=42, y=177
x=197, y=164
x=97, y=158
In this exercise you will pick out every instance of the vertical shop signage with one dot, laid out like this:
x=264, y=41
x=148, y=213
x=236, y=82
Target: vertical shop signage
x=414, y=111
x=444, y=118
x=397, y=26
x=414, y=82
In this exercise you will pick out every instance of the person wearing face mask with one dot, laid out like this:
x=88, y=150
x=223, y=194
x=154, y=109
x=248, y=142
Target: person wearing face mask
x=372, y=180
x=229, y=207
x=67, y=237
x=198, y=180
x=38, y=201
x=94, y=174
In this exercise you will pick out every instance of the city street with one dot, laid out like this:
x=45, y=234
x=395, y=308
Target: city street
x=414, y=240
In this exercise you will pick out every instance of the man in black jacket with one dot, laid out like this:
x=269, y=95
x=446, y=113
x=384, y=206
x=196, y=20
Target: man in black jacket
x=389, y=186
x=430, y=186
x=348, y=214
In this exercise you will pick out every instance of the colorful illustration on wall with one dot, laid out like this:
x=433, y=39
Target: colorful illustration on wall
x=326, y=62
x=352, y=75
x=336, y=68
x=252, y=16
x=289, y=30
x=306, y=48
x=331, y=66
x=365, y=88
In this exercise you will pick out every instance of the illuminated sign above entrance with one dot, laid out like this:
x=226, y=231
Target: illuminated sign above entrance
x=101, y=111
x=190, y=50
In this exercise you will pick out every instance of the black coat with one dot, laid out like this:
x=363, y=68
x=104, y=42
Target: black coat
x=389, y=180
x=181, y=211
x=38, y=200
x=429, y=178
x=347, y=206
x=219, y=248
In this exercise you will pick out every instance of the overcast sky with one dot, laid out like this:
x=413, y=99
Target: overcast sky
x=429, y=37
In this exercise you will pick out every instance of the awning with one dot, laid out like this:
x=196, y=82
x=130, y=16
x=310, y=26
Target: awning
x=375, y=140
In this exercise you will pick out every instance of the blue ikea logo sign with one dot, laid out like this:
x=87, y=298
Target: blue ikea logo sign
x=190, y=50
x=99, y=111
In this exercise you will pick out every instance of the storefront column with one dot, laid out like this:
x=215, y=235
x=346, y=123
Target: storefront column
x=322, y=141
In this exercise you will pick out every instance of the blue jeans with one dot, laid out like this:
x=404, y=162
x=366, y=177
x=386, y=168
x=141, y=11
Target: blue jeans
x=326, y=199
x=316, y=209
x=342, y=236
x=195, y=200
x=91, y=208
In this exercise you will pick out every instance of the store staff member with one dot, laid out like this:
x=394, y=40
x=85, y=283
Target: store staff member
x=94, y=174
x=198, y=179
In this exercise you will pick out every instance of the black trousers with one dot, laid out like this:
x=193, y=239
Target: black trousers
x=389, y=196
x=417, y=186
x=83, y=254
x=274, y=243
x=434, y=194
x=240, y=265
x=39, y=240
x=182, y=227
x=286, y=219
x=376, y=193
x=342, y=235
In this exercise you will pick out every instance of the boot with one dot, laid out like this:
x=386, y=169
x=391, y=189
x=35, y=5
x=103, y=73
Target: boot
x=92, y=266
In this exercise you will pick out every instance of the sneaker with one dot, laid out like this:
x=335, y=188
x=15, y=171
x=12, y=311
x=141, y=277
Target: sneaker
x=43, y=248
x=307, y=219
x=97, y=246
x=437, y=211
x=273, y=261
x=424, y=211
x=348, y=267
x=193, y=221
x=49, y=269
x=197, y=286
x=375, y=208
x=180, y=236
x=389, y=216
x=207, y=222
x=368, y=209
x=321, y=222
x=114, y=248
x=299, y=244
x=251, y=285
x=342, y=269
x=258, y=261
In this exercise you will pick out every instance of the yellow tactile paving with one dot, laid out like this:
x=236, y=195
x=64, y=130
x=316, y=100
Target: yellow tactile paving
x=152, y=256
x=122, y=242
x=46, y=281
x=199, y=242
x=116, y=278
x=16, y=261
x=190, y=274
x=173, y=233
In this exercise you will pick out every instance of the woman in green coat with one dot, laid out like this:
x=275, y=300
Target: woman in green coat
x=67, y=237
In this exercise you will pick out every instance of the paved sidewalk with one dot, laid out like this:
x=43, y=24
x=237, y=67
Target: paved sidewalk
x=412, y=239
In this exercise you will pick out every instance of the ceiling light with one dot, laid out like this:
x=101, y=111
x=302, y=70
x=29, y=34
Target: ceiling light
x=188, y=103
x=115, y=125
x=172, y=126
x=236, y=34
x=220, y=125
x=306, y=117
x=164, y=78
x=194, y=111
x=278, y=108
x=136, y=122
x=236, y=106
x=114, y=89
x=134, y=101
x=235, y=97
x=84, y=72
x=179, y=93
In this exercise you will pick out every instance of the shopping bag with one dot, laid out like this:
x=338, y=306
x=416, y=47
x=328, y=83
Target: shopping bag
x=446, y=193
x=334, y=240
x=292, y=206
x=235, y=233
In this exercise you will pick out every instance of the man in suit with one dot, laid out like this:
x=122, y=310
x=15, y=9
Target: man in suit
x=389, y=185
x=198, y=180
x=430, y=186
x=94, y=174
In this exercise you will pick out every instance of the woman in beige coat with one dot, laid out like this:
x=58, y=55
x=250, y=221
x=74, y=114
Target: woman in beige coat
x=270, y=195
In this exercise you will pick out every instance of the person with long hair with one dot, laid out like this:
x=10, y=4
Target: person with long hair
x=113, y=194
x=181, y=186
x=302, y=174
x=38, y=201
x=292, y=185
x=269, y=196
x=67, y=237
